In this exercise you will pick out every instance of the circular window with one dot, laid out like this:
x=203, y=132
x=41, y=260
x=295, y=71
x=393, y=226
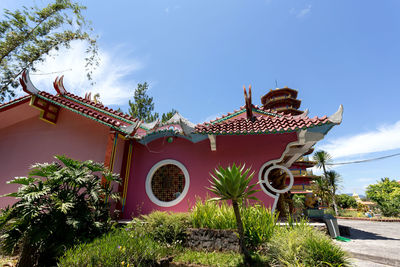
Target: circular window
x=167, y=183
x=274, y=179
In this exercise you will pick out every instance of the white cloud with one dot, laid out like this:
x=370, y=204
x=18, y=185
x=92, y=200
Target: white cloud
x=111, y=77
x=300, y=13
x=384, y=138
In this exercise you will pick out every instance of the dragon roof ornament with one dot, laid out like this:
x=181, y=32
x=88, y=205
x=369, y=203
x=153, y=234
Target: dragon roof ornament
x=58, y=85
x=27, y=84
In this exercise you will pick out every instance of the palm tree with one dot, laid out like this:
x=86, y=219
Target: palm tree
x=322, y=158
x=232, y=184
x=333, y=178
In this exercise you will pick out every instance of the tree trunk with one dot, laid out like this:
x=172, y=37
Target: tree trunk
x=239, y=223
x=334, y=205
x=27, y=256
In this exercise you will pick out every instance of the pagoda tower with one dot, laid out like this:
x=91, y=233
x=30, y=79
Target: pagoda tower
x=285, y=100
x=282, y=100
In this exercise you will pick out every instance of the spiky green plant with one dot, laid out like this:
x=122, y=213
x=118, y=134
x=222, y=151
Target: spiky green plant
x=232, y=183
x=58, y=206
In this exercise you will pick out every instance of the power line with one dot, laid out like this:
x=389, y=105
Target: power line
x=364, y=160
x=54, y=72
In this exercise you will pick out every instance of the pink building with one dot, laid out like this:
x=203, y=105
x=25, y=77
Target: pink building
x=164, y=166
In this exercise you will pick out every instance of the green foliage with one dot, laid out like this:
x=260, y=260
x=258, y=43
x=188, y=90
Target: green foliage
x=320, y=187
x=58, y=206
x=117, y=248
x=299, y=203
x=209, y=258
x=166, y=116
x=322, y=158
x=213, y=215
x=259, y=223
x=345, y=201
x=351, y=213
x=222, y=259
x=165, y=227
x=232, y=183
x=301, y=245
x=142, y=107
x=332, y=178
x=386, y=194
x=29, y=34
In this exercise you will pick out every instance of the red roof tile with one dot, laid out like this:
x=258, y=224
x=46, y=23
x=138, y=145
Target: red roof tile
x=16, y=101
x=90, y=109
x=261, y=125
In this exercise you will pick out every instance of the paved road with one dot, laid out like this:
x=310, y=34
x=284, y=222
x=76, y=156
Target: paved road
x=373, y=242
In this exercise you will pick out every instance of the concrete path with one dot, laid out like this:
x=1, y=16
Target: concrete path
x=373, y=243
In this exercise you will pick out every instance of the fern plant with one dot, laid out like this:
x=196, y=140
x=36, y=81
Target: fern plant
x=59, y=205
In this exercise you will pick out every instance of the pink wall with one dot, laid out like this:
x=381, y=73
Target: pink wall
x=199, y=160
x=33, y=140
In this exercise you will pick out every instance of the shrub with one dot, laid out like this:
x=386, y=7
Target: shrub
x=259, y=223
x=386, y=193
x=345, y=201
x=58, y=207
x=117, y=248
x=301, y=245
x=165, y=227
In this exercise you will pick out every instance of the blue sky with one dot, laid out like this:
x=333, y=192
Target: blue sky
x=197, y=55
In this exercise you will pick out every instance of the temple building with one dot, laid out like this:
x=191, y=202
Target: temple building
x=163, y=166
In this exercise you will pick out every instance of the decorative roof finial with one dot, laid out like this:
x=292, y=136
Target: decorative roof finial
x=26, y=83
x=248, y=104
x=58, y=84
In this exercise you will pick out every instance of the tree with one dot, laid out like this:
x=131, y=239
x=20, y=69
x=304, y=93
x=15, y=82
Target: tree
x=320, y=187
x=58, y=206
x=333, y=178
x=386, y=194
x=345, y=201
x=29, y=34
x=142, y=107
x=232, y=183
x=322, y=158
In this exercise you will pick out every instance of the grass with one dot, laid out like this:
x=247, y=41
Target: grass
x=351, y=213
x=121, y=247
x=218, y=259
x=259, y=223
x=301, y=245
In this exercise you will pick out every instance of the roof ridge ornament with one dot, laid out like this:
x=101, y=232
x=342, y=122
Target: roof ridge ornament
x=58, y=85
x=337, y=117
x=27, y=85
x=186, y=125
x=248, y=105
x=302, y=115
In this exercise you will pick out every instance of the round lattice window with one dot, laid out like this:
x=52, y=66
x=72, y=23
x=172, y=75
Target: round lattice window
x=167, y=183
